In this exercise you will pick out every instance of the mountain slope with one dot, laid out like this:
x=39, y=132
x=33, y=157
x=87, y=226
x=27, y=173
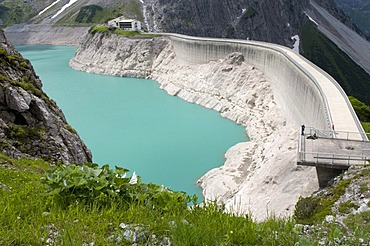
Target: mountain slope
x=264, y=20
x=359, y=11
x=31, y=124
x=347, y=39
x=17, y=11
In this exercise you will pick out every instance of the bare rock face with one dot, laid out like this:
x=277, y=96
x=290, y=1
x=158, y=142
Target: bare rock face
x=265, y=20
x=31, y=124
x=133, y=59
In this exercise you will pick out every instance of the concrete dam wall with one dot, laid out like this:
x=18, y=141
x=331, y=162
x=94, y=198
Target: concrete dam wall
x=307, y=94
x=265, y=87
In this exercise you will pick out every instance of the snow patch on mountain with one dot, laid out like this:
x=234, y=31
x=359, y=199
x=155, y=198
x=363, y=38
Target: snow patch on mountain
x=310, y=18
x=48, y=7
x=70, y=3
x=296, y=43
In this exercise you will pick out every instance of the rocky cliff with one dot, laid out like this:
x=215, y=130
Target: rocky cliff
x=270, y=21
x=359, y=11
x=265, y=20
x=249, y=181
x=31, y=124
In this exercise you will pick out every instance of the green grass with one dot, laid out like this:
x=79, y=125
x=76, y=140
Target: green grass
x=31, y=213
x=96, y=14
x=117, y=31
x=366, y=126
x=98, y=29
x=363, y=113
x=312, y=210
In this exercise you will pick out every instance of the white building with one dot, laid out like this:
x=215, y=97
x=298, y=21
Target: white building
x=125, y=24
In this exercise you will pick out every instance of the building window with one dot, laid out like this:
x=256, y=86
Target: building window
x=125, y=25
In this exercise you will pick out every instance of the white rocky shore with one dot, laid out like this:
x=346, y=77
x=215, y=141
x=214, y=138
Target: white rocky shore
x=258, y=177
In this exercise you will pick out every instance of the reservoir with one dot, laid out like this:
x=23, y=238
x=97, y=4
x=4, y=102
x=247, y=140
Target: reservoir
x=133, y=124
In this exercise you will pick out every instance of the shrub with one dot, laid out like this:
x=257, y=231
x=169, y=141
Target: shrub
x=28, y=86
x=98, y=29
x=25, y=133
x=305, y=208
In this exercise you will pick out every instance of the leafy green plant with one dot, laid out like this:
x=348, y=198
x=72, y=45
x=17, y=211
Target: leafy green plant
x=91, y=184
x=29, y=217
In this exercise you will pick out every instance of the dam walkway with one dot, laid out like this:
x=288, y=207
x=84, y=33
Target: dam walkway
x=331, y=152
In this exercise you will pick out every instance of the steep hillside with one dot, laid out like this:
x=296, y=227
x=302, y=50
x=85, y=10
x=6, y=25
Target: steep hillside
x=324, y=53
x=359, y=11
x=271, y=21
x=31, y=124
x=263, y=20
x=17, y=11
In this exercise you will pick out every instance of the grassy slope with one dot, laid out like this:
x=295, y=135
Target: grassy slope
x=28, y=217
x=324, y=53
x=95, y=14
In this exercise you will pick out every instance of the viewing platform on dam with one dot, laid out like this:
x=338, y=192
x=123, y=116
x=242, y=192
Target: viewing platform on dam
x=331, y=152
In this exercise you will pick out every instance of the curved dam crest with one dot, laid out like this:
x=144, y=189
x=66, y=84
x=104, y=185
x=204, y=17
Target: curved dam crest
x=262, y=86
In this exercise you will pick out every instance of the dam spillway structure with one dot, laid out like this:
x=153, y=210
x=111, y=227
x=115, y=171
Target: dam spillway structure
x=307, y=94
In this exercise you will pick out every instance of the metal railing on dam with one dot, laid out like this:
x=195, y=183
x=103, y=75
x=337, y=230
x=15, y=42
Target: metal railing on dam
x=306, y=93
x=332, y=149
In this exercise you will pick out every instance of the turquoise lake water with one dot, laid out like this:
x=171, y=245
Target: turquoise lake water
x=134, y=124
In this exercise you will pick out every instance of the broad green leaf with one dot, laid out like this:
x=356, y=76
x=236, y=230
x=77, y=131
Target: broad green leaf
x=121, y=170
x=54, y=192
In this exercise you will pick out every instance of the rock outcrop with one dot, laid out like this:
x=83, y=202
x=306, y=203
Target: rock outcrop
x=259, y=176
x=265, y=20
x=31, y=124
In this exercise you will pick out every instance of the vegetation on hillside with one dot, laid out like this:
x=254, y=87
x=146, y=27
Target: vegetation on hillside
x=346, y=203
x=324, y=53
x=363, y=112
x=84, y=205
x=12, y=12
x=117, y=31
x=96, y=14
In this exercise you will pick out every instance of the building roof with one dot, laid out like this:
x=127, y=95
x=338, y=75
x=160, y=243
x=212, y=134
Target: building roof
x=122, y=19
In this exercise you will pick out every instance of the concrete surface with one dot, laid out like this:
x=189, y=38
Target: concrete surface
x=307, y=94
